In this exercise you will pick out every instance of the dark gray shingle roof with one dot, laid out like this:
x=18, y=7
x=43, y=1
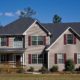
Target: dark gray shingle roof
x=17, y=27
x=59, y=28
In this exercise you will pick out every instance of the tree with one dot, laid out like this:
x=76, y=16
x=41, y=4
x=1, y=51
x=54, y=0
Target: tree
x=27, y=12
x=69, y=65
x=57, y=19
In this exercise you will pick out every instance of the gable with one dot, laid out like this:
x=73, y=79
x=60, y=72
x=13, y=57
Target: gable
x=58, y=28
x=60, y=39
x=35, y=29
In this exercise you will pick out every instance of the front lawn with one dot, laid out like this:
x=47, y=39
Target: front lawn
x=40, y=77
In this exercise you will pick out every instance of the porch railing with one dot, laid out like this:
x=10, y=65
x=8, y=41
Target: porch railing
x=11, y=64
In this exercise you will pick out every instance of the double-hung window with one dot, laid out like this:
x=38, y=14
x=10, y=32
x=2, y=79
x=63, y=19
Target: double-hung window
x=78, y=58
x=70, y=39
x=37, y=40
x=60, y=58
x=35, y=59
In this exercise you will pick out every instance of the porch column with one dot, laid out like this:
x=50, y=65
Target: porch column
x=0, y=58
x=23, y=57
x=13, y=59
x=48, y=59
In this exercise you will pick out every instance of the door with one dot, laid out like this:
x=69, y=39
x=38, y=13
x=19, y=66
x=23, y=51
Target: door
x=18, y=62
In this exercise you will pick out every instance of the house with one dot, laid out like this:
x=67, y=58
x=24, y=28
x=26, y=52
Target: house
x=29, y=43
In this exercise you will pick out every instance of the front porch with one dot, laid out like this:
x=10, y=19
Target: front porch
x=11, y=57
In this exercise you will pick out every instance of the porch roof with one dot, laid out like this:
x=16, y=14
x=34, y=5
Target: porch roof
x=12, y=50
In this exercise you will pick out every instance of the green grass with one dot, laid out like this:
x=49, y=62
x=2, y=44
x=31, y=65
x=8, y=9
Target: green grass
x=39, y=77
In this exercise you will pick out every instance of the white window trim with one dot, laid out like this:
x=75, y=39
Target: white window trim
x=36, y=40
x=67, y=38
x=77, y=58
x=37, y=59
x=59, y=58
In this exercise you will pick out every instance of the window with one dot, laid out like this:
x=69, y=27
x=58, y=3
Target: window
x=37, y=40
x=5, y=57
x=3, y=41
x=69, y=39
x=78, y=58
x=36, y=59
x=18, y=42
x=60, y=58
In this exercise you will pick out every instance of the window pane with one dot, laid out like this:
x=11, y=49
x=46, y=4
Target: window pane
x=34, y=38
x=18, y=38
x=40, y=40
x=40, y=58
x=34, y=42
x=34, y=58
x=60, y=58
x=3, y=41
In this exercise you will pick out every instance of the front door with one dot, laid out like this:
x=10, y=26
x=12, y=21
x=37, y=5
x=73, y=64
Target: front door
x=18, y=62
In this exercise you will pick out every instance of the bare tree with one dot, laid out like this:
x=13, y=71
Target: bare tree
x=27, y=12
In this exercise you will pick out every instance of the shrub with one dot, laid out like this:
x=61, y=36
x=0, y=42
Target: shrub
x=54, y=69
x=69, y=65
x=78, y=69
x=20, y=70
x=43, y=70
x=31, y=69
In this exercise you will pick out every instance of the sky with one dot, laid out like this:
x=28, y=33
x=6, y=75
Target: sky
x=69, y=10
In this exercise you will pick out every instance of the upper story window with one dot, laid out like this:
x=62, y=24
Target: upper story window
x=4, y=41
x=69, y=39
x=37, y=40
x=18, y=42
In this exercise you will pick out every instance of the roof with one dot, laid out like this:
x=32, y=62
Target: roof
x=17, y=27
x=58, y=28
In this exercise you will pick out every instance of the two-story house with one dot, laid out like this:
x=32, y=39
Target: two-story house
x=30, y=43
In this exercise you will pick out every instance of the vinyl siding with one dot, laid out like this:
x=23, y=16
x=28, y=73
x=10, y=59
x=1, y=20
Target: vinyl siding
x=59, y=47
x=34, y=49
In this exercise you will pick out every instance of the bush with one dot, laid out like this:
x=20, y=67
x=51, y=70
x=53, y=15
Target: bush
x=31, y=69
x=20, y=70
x=78, y=69
x=43, y=70
x=54, y=69
x=69, y=65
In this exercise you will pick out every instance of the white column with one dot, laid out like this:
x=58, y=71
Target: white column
x=0, y=58
x=13, y=56
x=48, y=60
x=23, y=58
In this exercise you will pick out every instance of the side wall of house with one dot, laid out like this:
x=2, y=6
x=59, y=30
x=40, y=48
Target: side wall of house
x=59, y=47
